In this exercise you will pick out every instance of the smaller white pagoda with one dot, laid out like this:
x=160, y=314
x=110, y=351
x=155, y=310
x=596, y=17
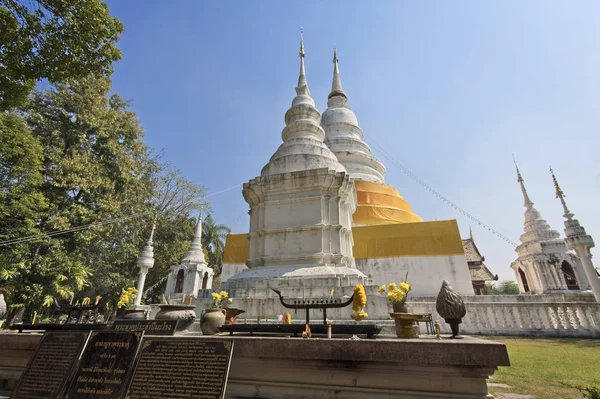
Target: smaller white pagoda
x=193, y=273
x=545, y=264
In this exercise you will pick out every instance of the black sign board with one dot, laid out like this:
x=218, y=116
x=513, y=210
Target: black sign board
x=150, y=327
x=49, y=368
x=105, y=365
x=181, y=368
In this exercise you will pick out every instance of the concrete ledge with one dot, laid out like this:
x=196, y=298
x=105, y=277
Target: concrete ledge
x=277, y=368
x=468, y=352
x=295, y=368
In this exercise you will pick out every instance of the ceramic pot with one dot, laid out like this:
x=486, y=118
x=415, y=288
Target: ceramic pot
x=132, y=314
x=399, y=307
x=184, y=313
x=211, y=320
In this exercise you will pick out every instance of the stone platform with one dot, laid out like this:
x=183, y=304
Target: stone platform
x=295, y=368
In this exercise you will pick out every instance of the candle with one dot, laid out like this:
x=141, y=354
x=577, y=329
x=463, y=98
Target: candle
x=34, y=317
x=329, y=331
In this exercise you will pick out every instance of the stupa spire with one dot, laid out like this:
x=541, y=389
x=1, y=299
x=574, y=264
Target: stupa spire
x=560, y=194
x=195, y=254
x=145, y=262
x=302, y=84
x=527, y=201
x=336, y=84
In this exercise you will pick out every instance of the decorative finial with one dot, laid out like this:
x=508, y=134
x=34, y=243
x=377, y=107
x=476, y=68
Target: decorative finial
x=560, y=194
x=519, y=177
x=302, y=87
x=471, y=233
x=527, y=201
x=336, y=84
x=150, y=240
x=301, y=43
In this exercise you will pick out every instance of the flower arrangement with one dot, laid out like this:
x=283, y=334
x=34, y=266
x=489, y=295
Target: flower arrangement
x=396, y=293
x=358, y=303
x=219, y=298
x=127, y=297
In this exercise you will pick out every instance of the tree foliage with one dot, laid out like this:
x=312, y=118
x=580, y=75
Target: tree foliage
x=57, y=40
x=504, y=288
x=74, y=157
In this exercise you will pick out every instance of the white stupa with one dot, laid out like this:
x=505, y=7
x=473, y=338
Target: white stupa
x=544, y=263
x=345, y=137
x=301, y=210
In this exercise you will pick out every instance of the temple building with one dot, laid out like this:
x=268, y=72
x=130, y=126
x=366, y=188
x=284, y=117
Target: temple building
x=544, y=263
x=480, y=274
x=386, y=238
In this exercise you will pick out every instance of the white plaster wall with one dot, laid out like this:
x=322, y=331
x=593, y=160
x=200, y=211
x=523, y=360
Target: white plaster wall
x=425, y=273
x=231, y=269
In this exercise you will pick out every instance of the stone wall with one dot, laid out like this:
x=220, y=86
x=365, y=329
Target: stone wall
x=523, y=315
x=555, y=315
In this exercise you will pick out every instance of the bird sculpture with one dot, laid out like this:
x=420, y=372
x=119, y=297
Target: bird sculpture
x=450, y=307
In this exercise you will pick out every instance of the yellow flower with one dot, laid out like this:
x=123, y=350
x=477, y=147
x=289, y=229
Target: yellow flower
x=390, y=295
x=405, y=287
x=287, y=318
x=360, y=298
x=224, y=294
x=382, y=289
x=392, y=287
x=216, y=297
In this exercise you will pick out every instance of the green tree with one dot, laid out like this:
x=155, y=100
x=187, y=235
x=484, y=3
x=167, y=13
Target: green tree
x=94, y=168
x=504, y=288
x=57, y=40
x=75, y=164
x=213, y=241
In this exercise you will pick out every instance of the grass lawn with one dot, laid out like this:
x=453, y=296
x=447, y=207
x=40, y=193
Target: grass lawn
x=545, y=368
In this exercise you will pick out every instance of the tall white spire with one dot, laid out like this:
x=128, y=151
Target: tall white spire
x=302, y=84
x=195, y=254
x=527, y=201
x=302, y=148
x=536, y=227
x=579, y=241
x=336, y=84
x=344, y=136
x=559, y=194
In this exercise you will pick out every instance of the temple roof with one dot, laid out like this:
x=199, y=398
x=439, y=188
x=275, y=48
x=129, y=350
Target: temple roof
x=478, y=269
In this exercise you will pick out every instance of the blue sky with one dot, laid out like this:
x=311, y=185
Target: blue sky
x=450, y=88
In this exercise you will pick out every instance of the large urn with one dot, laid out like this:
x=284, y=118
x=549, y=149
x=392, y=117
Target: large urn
x=211, y=320
x=184, y=313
